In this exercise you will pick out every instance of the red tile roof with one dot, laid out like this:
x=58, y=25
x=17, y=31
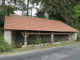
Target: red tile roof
x=16, y=22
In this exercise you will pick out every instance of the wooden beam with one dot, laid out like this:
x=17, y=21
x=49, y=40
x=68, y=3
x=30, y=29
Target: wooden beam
x=52, y=38
x=27, y=35
x=25, y=40
x=23, y=35
x=62, y=33
x=43, y=33
x=36, y=33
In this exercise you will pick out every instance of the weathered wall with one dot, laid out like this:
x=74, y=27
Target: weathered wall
x=7, y=36
x=18, y=38
x=73, y=37
x=58, y=38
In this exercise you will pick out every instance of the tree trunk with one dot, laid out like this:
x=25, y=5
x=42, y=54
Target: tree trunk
x=3, y=5
x=31, y=11
x=27, y=6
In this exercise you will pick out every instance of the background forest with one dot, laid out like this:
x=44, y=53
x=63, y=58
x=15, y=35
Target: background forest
x=67, y=11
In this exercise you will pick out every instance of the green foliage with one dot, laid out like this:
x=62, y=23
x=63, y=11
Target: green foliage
x=56, y=10
x=78, y=38
x=76, y=11
x=4, y=45
x=40, y=14
x=18, y=45
x=66, y=11
x=59, y=40
x=2, y=17
x=76, y=15
x=12, y=41
x=38, y=41
x=8, y=10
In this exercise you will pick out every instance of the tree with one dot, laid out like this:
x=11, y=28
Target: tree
x=27, y=6
x=2, y=16
x=57, y=9
x=21, y=6
x=76, y=11
x=5, y=11
x=3, y=5
x=76, y=15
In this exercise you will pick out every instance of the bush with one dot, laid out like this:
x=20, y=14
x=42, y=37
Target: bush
x=78, y=38
x=4, y=45
x=12, y=41
x=18, y=45
x=38, y=41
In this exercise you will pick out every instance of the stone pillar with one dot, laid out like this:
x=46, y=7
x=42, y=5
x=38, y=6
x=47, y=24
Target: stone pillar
x=75, y=36
x=25, y=40
x=69, y=37
x=52, y=38
x=7, y=36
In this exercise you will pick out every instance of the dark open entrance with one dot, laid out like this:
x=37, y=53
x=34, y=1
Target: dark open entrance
x=45, y=36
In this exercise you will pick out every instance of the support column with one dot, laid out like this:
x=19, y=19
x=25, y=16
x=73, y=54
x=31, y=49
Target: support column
x=25, y=40
x=75, y=38
x=7, y=36
x=52, y=38
x=69, y=37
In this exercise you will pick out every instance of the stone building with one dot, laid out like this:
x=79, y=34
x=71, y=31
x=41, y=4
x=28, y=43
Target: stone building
x=24, y=30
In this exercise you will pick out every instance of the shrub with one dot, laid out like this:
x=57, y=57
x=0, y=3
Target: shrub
x=38, y=41
x=12, y=41
x=18, y=45
x=78, y=38
x=59, y=40
x=4, y=45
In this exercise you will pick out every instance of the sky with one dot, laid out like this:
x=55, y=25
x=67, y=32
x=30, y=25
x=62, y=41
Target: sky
x=34, y=11
x=18, y=12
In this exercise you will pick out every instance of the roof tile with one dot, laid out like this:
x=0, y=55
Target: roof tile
x=16, y=22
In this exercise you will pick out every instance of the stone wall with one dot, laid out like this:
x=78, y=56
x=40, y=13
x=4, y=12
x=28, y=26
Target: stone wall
x=73, y=37
x=7, y=36
x=18, y=38
x=58, y=38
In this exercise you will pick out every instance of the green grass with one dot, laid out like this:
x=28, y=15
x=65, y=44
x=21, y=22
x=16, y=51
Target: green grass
x=39, y=48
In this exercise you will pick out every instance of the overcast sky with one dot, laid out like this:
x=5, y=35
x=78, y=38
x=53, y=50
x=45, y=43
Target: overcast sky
x=18, y=12
x=33, y=10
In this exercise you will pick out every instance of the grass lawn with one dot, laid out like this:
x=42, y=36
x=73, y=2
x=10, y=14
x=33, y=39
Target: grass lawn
x=39, y=48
